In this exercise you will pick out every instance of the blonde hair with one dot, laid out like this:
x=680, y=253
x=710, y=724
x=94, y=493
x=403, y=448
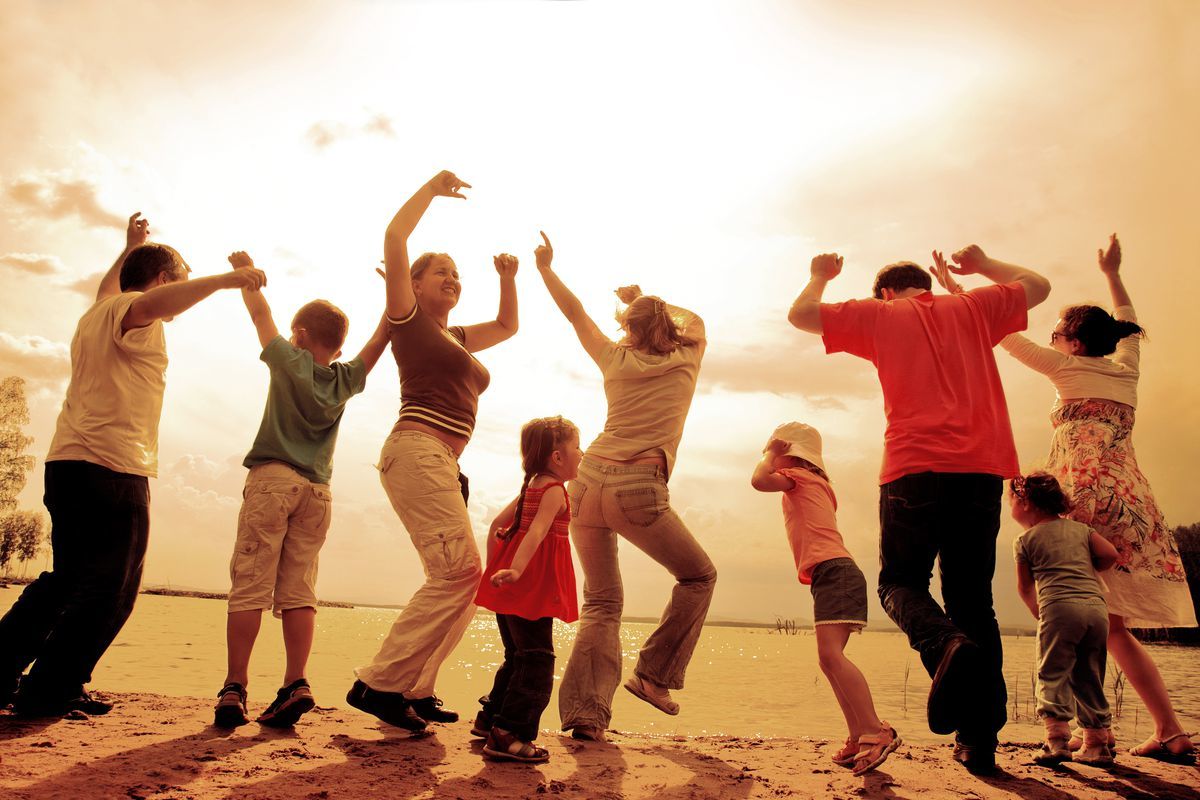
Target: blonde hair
x=650, y=328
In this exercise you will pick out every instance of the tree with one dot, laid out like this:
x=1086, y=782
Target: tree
x=21, y=532
x=1187, y=538
x=14, y=464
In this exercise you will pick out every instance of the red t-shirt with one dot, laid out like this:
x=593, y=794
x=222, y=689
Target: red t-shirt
x=546, y=587
x=942, y=396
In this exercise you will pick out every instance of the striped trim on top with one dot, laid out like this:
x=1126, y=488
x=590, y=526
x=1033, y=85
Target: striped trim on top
x=436, y=419
x=406, y=318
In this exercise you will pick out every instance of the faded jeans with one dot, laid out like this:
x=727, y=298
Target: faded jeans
x=420, y=475
x=1072, y=655
x=630, y=500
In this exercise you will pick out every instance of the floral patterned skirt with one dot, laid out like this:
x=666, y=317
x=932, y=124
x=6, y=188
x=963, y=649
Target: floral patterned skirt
x=1091, y=454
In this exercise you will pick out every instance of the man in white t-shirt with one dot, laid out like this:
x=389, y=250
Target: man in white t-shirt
x=105, y=448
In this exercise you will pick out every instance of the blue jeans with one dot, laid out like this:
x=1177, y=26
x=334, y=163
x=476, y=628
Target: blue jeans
x=954, y=518
x=521, y=690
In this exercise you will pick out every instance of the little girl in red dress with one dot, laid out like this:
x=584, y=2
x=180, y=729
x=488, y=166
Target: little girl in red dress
x=529, y=580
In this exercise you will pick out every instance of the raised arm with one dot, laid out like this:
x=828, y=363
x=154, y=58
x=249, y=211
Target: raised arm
x=400, y=297
x=1045, y=360
x=765, y=478
x=136, y=235
x=256, y=304
x=972, y=260
x=485, y=334
x=375, y=346
x=1110, y=265
x=590, y=336
x=805, y=313
x=172, y=299
x=554, y=500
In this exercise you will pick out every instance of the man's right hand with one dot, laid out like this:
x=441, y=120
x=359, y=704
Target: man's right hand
x=970, y=260
x=245, y=278
x=827, y=266
x=138, y=231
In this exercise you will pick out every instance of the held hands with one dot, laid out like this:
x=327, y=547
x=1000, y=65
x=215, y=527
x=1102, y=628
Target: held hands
x=244, y=274
x=138, y=231
x=504, y=576
x=1110, y=260
x=447, y=184
x=941, y=273
x=827, y=266
x=543, y=254
x=971, y=260
x=627, y=294
x=506, y=265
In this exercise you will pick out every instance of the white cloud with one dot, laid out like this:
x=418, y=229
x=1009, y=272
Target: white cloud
x=34, y=358
x=36, y=263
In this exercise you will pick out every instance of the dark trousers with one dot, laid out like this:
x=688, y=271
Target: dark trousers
x=954, y=518
x=64, y=621
x=524, y=681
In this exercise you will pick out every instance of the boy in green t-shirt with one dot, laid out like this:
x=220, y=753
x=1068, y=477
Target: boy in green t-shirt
x=286, y=507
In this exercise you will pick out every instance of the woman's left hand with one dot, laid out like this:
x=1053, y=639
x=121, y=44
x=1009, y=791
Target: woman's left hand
x=1110, y=260
x=503, y=576
x=941, y=272
x=506, y=265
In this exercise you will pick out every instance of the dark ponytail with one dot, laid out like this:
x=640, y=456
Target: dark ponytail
x=539, y=439
x=1096, y=330
x=1042, y=491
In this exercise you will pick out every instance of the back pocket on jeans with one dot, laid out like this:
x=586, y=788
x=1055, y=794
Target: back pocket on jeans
x=643, y=505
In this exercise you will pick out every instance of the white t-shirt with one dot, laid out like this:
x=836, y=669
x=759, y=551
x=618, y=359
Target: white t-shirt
x=114, y=400
x=648, y=401
x=1112, y=377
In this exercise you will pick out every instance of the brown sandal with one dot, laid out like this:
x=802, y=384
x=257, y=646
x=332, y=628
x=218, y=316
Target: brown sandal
x=845, y=756
x=505, y=746
x=875, y=748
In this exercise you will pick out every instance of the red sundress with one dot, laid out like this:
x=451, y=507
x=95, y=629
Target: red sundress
x=547, y=586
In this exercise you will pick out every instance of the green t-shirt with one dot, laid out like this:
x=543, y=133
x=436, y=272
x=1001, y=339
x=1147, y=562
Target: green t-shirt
x=304, y=406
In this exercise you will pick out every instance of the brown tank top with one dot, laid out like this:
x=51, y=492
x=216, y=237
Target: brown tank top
x=440, y=382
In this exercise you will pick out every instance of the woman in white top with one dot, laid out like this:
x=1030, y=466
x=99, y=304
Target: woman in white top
x=1093, y=363
x=649, y=379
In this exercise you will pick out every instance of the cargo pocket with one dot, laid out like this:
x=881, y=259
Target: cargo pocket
x=447, y=555
x=642, y=505
x=244, y=563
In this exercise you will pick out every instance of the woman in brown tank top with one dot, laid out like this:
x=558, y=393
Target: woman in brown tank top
x=440, y=383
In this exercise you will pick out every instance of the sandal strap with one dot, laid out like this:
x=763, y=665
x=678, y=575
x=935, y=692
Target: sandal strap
x=1183, y=735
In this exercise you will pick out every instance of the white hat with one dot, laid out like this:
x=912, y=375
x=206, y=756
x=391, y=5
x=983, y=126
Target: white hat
x=803, y=442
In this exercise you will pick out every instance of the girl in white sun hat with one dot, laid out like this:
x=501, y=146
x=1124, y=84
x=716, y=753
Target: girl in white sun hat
x=792, y=464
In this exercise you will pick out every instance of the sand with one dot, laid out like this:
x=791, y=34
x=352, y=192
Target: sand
x=151, y=746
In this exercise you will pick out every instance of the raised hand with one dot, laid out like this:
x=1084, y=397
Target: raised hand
x=503, y=576
x=827, y=266
x=506, y=265
x=970, y=260
x=137, y=232
x=246, y=277
x=1110, y=259
x=240, y=260
x=447, y=184
x=627, y=294
x=543, y=254
x=941, y=273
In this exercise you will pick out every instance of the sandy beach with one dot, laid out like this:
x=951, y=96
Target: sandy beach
x=153, y=746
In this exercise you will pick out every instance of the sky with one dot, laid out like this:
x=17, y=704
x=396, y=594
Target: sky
x=704, y=150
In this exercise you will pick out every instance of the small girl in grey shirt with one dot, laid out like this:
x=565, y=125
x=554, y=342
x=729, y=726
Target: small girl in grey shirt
x=1060, y=557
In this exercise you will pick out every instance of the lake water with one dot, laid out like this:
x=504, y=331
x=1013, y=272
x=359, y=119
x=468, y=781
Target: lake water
x=742, y=681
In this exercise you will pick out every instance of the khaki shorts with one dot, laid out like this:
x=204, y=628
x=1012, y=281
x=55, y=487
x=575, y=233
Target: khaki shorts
x=281, y=528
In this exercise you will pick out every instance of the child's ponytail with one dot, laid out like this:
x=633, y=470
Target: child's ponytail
x=1043, y=492
x=539, y=439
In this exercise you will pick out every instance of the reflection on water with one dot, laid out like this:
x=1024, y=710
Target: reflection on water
x=742, y=681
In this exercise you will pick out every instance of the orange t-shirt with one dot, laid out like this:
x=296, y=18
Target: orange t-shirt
x=942, y=395
x=809, y=517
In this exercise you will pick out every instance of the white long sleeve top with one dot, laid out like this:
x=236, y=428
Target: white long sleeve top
x=1112, y=377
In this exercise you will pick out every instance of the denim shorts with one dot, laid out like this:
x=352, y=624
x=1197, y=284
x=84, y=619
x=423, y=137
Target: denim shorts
x=839, y=593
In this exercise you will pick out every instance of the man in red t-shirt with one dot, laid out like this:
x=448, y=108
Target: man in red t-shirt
x=947, y=450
